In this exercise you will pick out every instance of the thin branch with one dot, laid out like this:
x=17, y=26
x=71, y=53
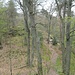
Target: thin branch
x=59, y=9
x=73, y=5
x=19, y=2
x=40, y=24
x=21, y=5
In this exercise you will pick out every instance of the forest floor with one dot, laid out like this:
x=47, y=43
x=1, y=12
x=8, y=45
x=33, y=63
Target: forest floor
x=18, y=54
x=55, y=52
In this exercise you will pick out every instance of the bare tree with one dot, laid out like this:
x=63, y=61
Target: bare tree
x=24, y=8
x=48, y=14
x=62, y=29
x=11, y=12
x=30, y=6
x=66, y=49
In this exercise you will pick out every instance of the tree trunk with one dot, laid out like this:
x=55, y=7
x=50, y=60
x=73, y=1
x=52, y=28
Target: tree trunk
x=49, y=20
x=25, y=12
x=0, y=43
x=10, y=66
x=63, y=46
x=33, y=32
x=40, y=72
x=62, y=33
x=28, y=48
x=63, y=39
x=10, y=57
x=31, y=10
x=68, y=47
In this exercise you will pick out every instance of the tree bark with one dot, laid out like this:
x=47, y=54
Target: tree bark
x=68, y=47
x=25, y=12
x=33, y=32
x=31, y=10
x=62, y=32
x=49, y=20
x=40, y=72
x=63, y=38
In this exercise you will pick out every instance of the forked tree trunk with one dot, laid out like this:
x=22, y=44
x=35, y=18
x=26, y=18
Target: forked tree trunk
x=62, y=33
x=10, y=66
x=31, y=10
x=25, y=12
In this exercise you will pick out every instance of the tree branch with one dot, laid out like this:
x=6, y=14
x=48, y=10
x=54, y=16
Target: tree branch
x=59, y=9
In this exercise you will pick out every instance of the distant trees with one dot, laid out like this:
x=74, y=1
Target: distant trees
x=48, y=14
x=62, y=28
x=3, y=22
x=11, y=16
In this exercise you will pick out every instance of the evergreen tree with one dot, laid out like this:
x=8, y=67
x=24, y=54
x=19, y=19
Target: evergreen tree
x=11, y=12
x=3, y=27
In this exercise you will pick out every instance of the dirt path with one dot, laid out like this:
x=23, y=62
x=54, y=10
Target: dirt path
x=54, y=56
x=4, y=66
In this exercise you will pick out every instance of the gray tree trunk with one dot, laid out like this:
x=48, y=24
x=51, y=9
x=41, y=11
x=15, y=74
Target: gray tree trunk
x=31, y=10
x=10, y=57
x=63, y=38
x=33, y=32
x=49, y=20
x=25, y=12
x=68, y=47
x=40, y=72
x=62, y=33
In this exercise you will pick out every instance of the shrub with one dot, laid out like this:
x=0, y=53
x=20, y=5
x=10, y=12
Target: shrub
x=54, y=42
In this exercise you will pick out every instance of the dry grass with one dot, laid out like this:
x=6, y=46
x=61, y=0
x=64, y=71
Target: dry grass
x=19, y=56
